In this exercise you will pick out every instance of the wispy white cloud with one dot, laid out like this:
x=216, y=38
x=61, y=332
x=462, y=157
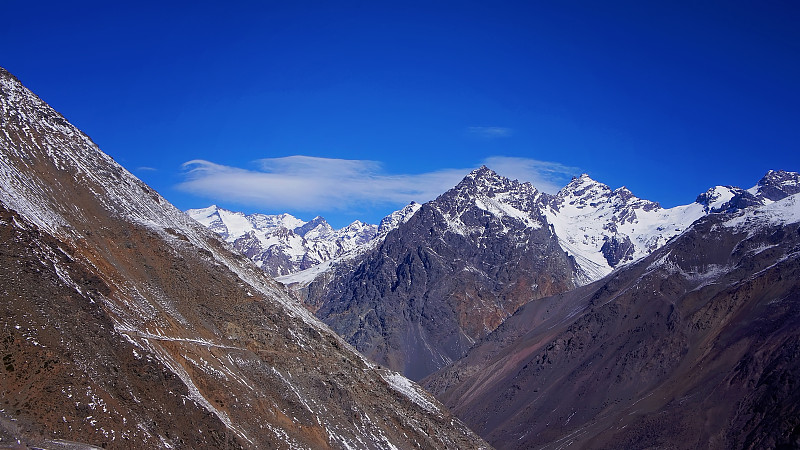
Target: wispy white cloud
x=146, y=169
x=490, y=132
x=306, y=183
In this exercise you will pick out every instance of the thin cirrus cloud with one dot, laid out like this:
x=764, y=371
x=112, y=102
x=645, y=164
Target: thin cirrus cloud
x=547, y=176
x=307, y=183
x=490, y=132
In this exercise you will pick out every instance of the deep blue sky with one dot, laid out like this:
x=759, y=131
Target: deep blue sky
x=666, y=98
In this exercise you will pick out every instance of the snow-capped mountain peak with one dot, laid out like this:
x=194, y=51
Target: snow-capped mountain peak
x=716, y=198
x=398, y=217
x=510, y=201
x=317, y=228
x=603, y=228
x=282, y=244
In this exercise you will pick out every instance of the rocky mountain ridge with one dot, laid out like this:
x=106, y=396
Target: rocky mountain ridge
x=693, y=346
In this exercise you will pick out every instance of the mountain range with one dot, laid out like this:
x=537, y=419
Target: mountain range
x=589, y=318
x=283, y=244
x=693, y=346
x=417, y=298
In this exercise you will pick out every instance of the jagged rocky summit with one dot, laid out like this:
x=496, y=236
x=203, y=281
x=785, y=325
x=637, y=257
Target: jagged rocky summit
x=126, y=324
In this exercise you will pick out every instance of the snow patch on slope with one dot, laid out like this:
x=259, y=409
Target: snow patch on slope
x=410, y=389
x=781, y=212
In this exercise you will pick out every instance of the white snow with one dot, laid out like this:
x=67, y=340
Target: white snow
x=718, y=196
x=410, y=389
x=587, y=212
x=781, y=212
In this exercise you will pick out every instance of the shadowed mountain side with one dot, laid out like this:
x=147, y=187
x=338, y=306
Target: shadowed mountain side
x=696, y=346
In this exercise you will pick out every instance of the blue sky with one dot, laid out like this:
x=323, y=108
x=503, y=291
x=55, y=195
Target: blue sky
x=352, y=109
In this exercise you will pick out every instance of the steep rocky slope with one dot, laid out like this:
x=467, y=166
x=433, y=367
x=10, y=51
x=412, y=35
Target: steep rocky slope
x=126, y=324
x=696, y=346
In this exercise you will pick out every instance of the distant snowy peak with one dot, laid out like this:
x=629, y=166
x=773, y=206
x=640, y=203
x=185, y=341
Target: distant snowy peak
x=265, y=221
x=211, y=219
x=232, y=225
x=283, y=244
x=774, y=186
x=583, y=191
x=387, y=224
x=780, y=212
x=359, y=233
x=316, y=228
x=603, y=228
x=718, y=198
x=485, y=182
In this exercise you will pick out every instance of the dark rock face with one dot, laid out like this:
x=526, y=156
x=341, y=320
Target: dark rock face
x=695, y=346
x=617, y=249
x=126, y=324
x=448, y=276
x=777, y=185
